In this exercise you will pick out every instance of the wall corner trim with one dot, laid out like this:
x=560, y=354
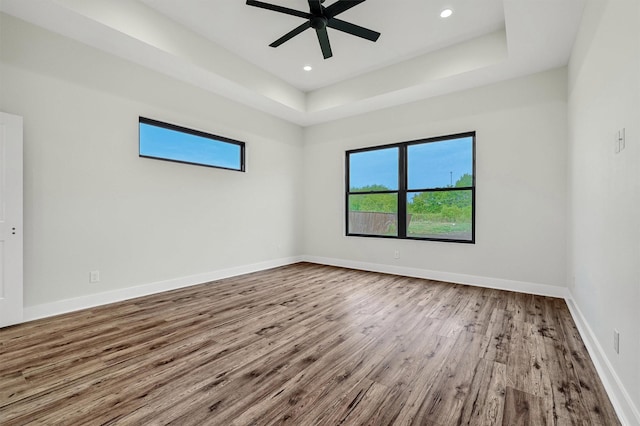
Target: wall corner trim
x=92, y=300
x=627, y=412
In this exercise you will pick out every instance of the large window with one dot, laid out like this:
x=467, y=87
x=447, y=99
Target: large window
x=422, y=189
x=165, y=141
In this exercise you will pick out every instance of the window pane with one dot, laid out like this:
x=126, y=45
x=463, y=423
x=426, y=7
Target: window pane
x=373, y=170
x=440, y=214
x=373, y=214
x=441, y=164
x=160, y=142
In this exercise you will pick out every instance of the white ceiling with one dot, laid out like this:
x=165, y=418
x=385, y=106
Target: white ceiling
x=408, y=27
x=222, y=46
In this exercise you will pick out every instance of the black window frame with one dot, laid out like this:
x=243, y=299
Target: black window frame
x=403, y=190
x=186, y=130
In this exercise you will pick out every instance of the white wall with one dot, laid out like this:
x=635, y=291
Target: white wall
x=604, y=260
x=521, y=156
x=92, y=204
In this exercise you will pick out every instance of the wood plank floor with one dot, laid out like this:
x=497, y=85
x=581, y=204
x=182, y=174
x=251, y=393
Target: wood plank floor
x=306, y=344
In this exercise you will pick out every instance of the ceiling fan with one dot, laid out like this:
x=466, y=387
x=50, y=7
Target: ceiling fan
x=319, y=18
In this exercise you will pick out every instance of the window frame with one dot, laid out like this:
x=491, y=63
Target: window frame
x=403, y=190
x=186, y=130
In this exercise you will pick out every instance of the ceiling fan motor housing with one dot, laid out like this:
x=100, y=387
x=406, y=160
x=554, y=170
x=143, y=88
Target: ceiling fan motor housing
x=319, y=22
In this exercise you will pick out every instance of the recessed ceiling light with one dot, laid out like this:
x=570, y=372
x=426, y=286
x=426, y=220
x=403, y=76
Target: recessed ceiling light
x=307, y=68
x=446, y=13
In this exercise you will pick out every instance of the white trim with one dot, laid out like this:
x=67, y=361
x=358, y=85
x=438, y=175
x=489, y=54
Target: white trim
x=620, y=399
x=83, y=302
x=474, y=280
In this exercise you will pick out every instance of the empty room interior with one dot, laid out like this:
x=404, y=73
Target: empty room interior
x=320, y=212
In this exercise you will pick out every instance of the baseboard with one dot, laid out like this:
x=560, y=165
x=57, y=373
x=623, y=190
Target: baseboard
x=627, y=412
x=478, y=281
x=75, y=304
x=89, y=301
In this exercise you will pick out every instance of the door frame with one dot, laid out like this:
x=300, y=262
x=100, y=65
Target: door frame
x=11, y=220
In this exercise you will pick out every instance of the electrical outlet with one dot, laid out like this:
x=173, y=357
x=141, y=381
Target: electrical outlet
x=94, y=276
x=396, y=254
x=616, y=340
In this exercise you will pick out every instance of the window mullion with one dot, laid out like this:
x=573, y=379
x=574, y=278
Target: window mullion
x=402, y=192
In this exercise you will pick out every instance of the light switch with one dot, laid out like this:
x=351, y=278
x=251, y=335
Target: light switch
x=619, y=142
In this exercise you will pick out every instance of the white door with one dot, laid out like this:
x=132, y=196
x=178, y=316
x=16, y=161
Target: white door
x=10, y=219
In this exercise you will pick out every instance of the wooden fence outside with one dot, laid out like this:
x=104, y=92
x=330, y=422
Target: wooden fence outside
x=375, y=223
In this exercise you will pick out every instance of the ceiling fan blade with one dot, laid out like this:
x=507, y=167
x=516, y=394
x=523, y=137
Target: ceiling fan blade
x=323, y=38
x=291, y=34
x=315, y=7
x=353, y=29
x=340, y=6
x=277, y=8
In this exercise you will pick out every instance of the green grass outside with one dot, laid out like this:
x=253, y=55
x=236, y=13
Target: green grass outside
x=435, y=226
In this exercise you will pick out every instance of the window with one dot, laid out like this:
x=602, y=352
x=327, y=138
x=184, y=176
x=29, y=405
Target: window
x=165, y=141
x=422, y=190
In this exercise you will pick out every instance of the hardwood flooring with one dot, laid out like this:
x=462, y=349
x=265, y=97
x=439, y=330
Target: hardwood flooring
x=306, y=344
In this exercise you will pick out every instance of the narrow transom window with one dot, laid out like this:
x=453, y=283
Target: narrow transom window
x=169, y=142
